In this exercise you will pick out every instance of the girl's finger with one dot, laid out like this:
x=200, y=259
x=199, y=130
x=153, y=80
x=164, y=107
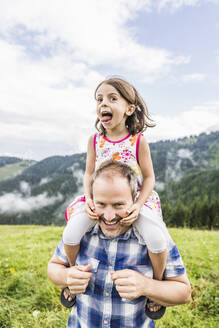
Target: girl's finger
x=128, y=218
x=130, y=210
x=128, y=222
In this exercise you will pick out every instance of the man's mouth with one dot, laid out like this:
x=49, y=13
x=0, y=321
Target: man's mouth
x=111, y=223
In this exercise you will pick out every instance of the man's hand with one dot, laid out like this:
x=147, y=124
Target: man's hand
x=130, y=284
x=133, y=213
x=78, y=278
x=90, y=209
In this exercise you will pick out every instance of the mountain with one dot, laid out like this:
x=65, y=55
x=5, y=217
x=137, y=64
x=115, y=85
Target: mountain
x=174, y=159
x=12, y=166
x=40, y=193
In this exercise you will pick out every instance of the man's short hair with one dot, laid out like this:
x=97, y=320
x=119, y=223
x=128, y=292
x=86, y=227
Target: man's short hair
x=111, y=168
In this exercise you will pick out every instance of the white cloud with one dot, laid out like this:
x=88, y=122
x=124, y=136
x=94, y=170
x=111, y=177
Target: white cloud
x=191, y=122
x=197, y=77
x=15, y=202
x=25, y=188
x=54, y=53
x=175, y=4
x=44, y=181
x=91, y=32
x=50, y=51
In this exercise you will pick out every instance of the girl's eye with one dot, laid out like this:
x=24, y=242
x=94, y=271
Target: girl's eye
x=99, y=100
x=113, y=98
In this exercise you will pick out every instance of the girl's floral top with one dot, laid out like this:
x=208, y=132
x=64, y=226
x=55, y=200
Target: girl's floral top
x=124, y=150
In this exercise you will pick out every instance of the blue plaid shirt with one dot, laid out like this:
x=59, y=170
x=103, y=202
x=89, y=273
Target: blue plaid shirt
x=101, y=305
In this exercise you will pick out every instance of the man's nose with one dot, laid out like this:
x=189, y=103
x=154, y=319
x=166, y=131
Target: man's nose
x=109, y=214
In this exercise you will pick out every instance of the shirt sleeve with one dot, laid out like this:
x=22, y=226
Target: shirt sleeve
x=60, y=252
x=174, y=265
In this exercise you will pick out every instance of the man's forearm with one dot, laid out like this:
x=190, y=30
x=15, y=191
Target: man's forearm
x=131, y=284
x=57, y=274
x=168, y=292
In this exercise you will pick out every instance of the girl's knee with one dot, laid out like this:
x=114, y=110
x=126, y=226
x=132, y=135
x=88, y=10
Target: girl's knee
x=157, y=243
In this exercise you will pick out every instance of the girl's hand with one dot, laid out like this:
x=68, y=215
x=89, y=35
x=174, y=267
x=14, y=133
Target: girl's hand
x=90, y=209
x=133, y=213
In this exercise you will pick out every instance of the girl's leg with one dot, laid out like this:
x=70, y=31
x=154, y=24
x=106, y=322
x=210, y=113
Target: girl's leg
x=72, y=253
x=76, y=228
x=155, y=234
x=158, y=262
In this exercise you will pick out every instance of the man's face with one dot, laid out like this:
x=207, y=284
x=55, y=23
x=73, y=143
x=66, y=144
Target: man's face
x=112, y=197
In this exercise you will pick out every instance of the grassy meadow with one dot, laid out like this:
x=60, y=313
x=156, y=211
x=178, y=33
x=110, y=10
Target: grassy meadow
x=29, y=300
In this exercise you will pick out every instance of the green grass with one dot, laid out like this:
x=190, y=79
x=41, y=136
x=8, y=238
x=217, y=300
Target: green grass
x=11, y=170
x=25, y=288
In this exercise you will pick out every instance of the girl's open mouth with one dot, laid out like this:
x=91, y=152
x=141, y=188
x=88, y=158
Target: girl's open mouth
x=106, y=117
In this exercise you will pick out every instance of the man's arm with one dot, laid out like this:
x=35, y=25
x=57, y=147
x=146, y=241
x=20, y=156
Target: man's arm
x=75, y=277
x=131, y=284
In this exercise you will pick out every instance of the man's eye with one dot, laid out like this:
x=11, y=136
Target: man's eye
x=113, y=98
x=118, y=205
x=100, y=204
x=99, y=100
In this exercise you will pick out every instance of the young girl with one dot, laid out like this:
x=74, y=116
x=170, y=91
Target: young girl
x=122, y=116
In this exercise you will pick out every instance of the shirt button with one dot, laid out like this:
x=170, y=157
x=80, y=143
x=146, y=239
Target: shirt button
x=107, y=294
x=105, y=322
x=110, y=267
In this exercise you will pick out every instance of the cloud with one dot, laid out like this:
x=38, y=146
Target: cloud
x=173, y=5
x=176, y=4
x=44, y=181
x=25, y=188
x=104, y=39
x=198, y=77
x=191, y=122
x=53, y=54
x=16, y=202
x=78, y=175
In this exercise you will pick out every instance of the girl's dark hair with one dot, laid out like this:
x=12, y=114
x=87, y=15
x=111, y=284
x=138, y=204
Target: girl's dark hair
x=140, y=120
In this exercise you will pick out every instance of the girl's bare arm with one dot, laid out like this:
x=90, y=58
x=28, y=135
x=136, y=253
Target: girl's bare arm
x=90, y=167
x=145, y=163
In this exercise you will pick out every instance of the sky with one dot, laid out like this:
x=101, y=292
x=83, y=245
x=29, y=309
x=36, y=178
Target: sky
x=54, y=53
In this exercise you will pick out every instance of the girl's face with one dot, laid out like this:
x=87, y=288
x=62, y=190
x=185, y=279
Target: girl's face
x=112, y=108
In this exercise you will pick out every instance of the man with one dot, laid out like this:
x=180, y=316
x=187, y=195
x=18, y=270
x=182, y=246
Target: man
x=113, y=275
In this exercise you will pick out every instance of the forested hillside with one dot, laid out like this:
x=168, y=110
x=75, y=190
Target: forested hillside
x=12, y=166
x=186, y=172
x=192, y=201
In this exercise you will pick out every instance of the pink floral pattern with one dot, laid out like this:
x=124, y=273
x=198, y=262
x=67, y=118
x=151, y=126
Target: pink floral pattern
x=123, y=151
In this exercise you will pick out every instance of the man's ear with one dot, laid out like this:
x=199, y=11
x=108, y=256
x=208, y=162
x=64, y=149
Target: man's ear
x=130, y=110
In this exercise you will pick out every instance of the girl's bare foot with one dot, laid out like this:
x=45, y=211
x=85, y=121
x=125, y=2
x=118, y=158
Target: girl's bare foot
x=153, y=310
x=66, y=298
x=67, y=294
x=153, y=307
